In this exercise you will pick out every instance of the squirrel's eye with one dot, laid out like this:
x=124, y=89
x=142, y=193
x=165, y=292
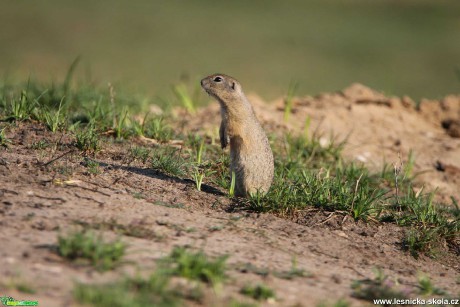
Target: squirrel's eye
x=218, y=79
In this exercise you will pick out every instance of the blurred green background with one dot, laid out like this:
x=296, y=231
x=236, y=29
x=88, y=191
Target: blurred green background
x=400, y=46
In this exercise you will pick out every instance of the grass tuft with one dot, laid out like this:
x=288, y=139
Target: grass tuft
x=21, y=108
x=87, y=139
x=288, y=101
x=182, y=94
x=158, y=289
x=169, y=161
x=92, y=166
x=130, y=292
x=429, y=225
x=196, y=266
x=140, y=153
x=293, y=272
x=296, y=190
x=4, y=141
x=258, y=292
x=53, y=119
x=18, y=284
x=427, y=288
x=157, y=129
x=88, y=246
x=381, y=287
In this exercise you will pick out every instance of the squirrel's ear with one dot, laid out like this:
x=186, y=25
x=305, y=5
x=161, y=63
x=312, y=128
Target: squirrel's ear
x=233, y=85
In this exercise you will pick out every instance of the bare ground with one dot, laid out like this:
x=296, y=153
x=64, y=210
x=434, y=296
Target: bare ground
x=40, y=200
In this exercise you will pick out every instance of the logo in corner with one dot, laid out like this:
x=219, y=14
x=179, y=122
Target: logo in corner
x=9, y=301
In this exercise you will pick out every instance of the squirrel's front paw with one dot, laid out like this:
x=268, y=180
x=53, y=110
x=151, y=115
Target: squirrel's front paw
x=224, y=142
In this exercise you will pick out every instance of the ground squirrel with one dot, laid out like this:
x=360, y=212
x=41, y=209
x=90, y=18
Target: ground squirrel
x=251, y=157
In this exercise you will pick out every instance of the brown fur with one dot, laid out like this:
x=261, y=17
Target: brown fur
x=250, y=153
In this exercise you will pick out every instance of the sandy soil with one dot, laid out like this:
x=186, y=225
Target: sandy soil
x=40, y=200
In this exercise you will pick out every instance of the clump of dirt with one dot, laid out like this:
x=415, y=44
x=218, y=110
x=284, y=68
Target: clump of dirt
x=47, y=189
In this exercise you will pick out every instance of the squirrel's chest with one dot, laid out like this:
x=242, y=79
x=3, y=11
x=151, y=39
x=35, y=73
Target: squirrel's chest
x=238, y=134
x=241, y=144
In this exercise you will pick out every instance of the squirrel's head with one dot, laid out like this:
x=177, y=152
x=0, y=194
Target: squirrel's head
x=222, y=87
